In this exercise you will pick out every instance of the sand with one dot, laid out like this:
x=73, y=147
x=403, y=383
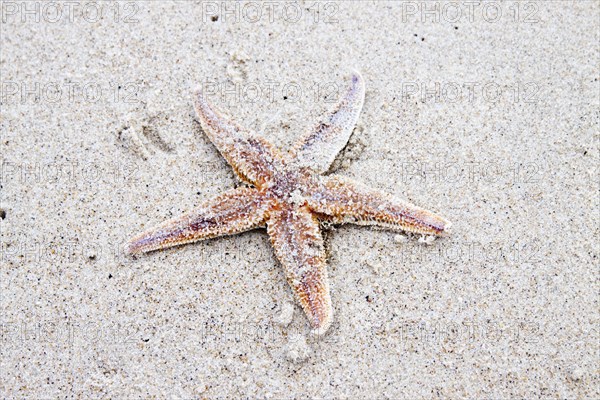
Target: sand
x=487, y=115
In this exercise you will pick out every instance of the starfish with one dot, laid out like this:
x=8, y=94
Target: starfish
x=289, y=194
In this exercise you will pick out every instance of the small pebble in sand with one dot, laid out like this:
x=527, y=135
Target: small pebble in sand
x=577, y=374
x=286, y=315
x=297, y=348
x=201, y=388
x=374, y=265
x=400, y=238
x=427, y=240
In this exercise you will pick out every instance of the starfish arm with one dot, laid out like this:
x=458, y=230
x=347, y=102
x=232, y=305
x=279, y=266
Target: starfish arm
x=234, y=211
x=319, y=147
x=253, y=158
x=342, y=200
x=298, y=245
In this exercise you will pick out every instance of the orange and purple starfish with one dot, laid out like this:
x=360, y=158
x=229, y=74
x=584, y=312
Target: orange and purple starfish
x=288, y=193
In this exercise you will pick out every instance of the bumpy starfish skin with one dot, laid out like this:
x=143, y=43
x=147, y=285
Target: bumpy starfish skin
x=289, y=195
